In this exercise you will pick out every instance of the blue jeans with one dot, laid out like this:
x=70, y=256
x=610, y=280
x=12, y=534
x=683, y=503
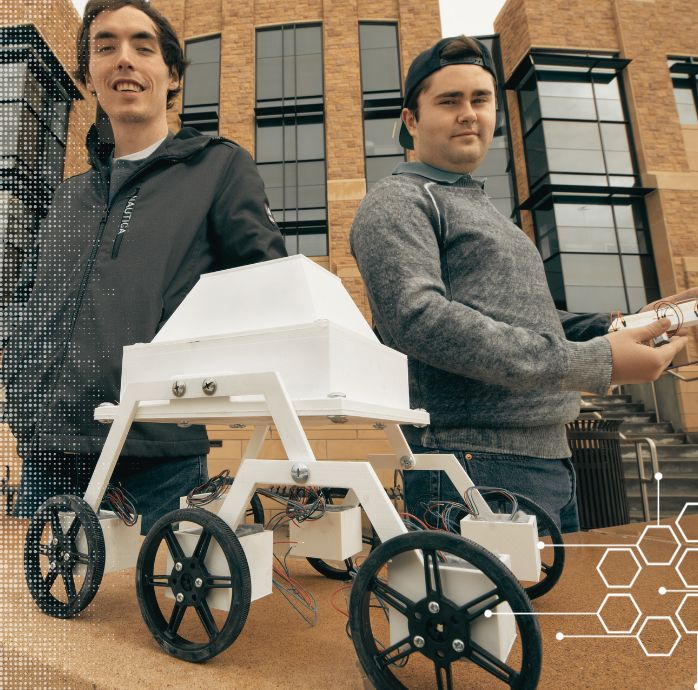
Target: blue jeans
x=155, y=484
x=549, y=483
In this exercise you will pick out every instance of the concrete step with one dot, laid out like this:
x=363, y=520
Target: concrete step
x=602, y=399
x=681, y=485
x=668, y=466
x=686, y=451
x=633, y=417
x=661, y=439
x=647, y=429
x=675, y=492
x=669, y=505
x=619, y=408
x=635, y=513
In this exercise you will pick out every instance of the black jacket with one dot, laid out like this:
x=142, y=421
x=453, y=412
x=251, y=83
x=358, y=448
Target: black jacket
x=111, y=274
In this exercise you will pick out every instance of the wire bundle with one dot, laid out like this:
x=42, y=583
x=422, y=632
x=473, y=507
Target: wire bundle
x=301, y=504
x=210, y=490
x=120, y=502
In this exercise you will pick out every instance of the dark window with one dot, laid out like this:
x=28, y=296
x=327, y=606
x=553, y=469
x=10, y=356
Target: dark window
x=574, y=120
x=585, y=194
x=684, y=77
x=201, y=96
x=290, y=147
x=382, y=99
x=597, y=255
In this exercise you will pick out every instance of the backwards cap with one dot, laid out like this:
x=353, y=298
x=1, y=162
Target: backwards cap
x=430, y=61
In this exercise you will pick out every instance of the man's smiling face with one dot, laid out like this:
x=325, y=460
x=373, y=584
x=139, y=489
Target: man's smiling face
x=127, y=69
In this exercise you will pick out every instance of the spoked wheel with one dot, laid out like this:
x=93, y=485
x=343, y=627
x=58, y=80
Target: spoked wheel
x=442, y=616
x=64, y=556
x=552, y=554
x=343, y=570
x=182, y=574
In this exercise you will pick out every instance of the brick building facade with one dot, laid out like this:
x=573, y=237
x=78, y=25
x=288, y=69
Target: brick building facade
x=635, y=43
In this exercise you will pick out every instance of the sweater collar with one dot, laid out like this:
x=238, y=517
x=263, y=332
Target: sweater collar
x=432, y=173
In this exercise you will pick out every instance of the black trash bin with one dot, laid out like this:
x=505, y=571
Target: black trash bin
x=595, y=445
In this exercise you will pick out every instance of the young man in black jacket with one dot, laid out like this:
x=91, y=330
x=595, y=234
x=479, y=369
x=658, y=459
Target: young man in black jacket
x=120, y=248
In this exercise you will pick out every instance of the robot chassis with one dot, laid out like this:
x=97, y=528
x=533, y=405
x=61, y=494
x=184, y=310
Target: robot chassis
x=446, y=597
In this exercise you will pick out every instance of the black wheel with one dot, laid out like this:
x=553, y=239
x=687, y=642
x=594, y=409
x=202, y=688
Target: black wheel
x=552, y=554
x=442, y=622
x=255, y=510
x=333, y=570
x=64, y=556
x=183, y=623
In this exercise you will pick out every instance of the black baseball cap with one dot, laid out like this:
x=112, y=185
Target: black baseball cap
x=430, y=61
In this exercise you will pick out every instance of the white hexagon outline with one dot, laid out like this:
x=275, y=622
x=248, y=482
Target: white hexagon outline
x=677, y=522
x=603, y=603
x=673, y=625
x=630, y=551
x=683, y=601
x=678, y=564
x=657, y=527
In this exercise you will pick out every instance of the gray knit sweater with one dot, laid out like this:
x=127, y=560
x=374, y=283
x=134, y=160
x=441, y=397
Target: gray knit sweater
x=462, y=291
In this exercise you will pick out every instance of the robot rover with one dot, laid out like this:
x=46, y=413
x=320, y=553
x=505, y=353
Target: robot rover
x=282, y=343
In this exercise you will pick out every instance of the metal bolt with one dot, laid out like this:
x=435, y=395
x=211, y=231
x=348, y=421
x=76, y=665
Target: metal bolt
x=199, y=582
x=300, y=472
x=379, y=426
x=418, y=641
x=66, y=556
x=433, y=607
x=407, y=462
x=458, y=646
x=52, y=565
x=337, y=418
x=209, y=386
x=237, y=426
x=179, y=388
x=54, y=541
x=178, y=566
x=180, y=598
x=184, y=424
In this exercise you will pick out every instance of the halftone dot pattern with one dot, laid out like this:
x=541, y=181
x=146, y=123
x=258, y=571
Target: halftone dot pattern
x=34, y=109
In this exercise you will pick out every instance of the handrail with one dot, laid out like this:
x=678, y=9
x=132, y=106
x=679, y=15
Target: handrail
x=676, y=375
x=644, y=479
x=681, y=376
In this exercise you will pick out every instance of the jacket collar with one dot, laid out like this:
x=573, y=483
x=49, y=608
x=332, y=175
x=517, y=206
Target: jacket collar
x=181, y=145
x=432, y=173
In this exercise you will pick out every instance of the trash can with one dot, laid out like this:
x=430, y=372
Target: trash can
x=595, y=445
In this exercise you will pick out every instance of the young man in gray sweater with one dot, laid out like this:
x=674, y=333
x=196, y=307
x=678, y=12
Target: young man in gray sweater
x=462, y=291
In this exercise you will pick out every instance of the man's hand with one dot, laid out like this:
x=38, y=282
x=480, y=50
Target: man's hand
x=635, y=362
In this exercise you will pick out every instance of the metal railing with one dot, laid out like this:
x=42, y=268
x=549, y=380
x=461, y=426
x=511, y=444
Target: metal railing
x=676, y=375
x=654, y=461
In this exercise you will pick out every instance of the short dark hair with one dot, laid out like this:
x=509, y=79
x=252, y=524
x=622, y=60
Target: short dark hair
x=459, y=47
x=171, y=50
